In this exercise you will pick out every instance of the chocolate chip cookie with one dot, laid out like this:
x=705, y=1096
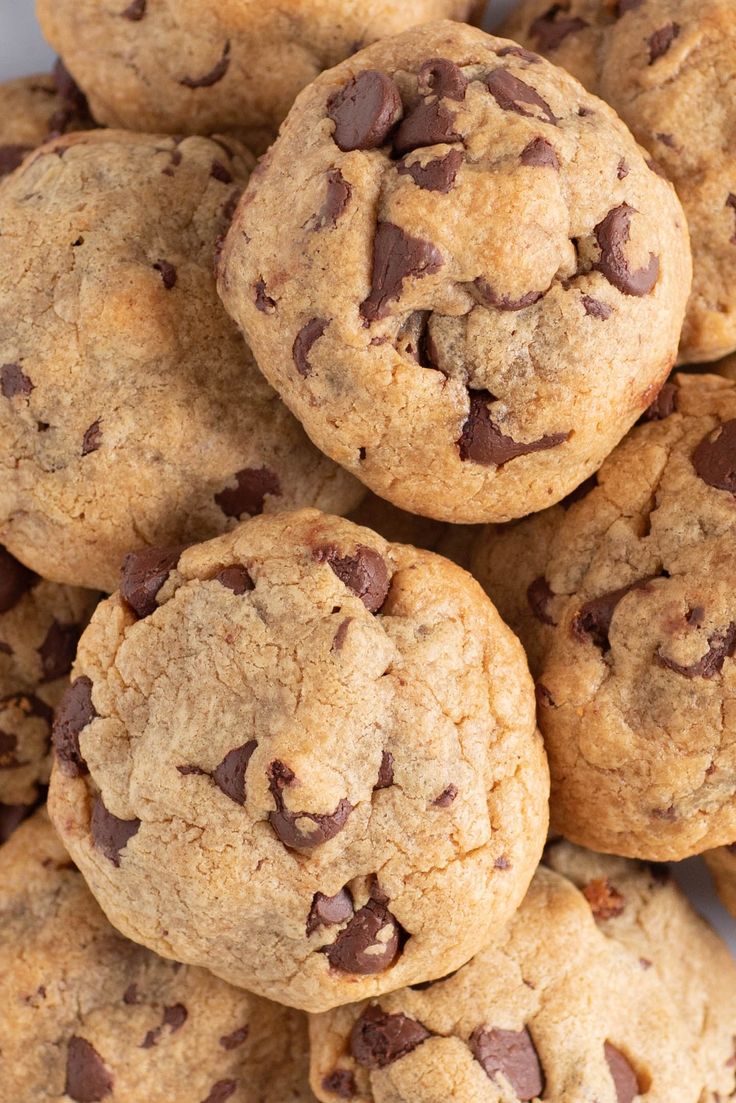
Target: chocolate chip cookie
x=40, y=624
x=304, y=758
x=554, y=1010
x=89, y=1016
x=722, y=865
x=459, y=272
x=131, y=413
x=667, y=67
x=34, y=109
x=631, y=625
x=193, y=67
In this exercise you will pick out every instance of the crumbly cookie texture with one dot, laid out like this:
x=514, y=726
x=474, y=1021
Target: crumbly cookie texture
x=34, y=109
x=193, y=67
x=667, y=67
x=552, y=1010
x=722, y=865
x=459, y=272
x=130, y=411
x=640, y=906
x=89, y=1017
x=631, y=625
x=304, y=758
x=40, y=624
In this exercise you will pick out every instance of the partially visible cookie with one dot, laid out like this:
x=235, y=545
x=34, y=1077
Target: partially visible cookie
x=625, y=603
x=722, y=865
x=554, y=1010
x=668, y=68
x=40, y=624
x=131, y=412
x=88, y=1016
x=34, y=109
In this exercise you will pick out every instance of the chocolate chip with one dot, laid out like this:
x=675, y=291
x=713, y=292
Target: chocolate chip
x=446, y=797
x=215, y=74
x=307, y=336
x=231, y=204
x=338, y=641
x=109, y=833
x=11, y=156
x=539, y=595
x=428, y=124
x=660, y=42
x=327, y=911
x=731, y=202
x=143, y=574
x=341, y=1083
x=442, y=77
x=511, y=1054
x=714, y=459
x=593, y=619
x=371, y=942
x=235, y=1038
x=612, y=235
x=14, y=382
x=135, y=11
x=291, y=827
x=58, y=650
x=92, y=438
x=87, y=1078
x=623, y=170
x=540, y=153
x=438, y=175
x=365, y=111
x=131, y=995
x=385, y=772
x=721, y=646
x=483, y=442
x=248, y=496
x=594, y=308
x=378, y=1039
x=663, y=405
x=335, y=204
x=229, y=776
x=221, y=1091
x=168, y=273
x=606, y=902
x=15, y=580
x=73, y=714
x=487, y=295
x=236, y=579
x=11, y=817
x=551, y=32
x=519, y=51
x=364, y=573
x=624, y=1078
x=396, y=257
x=263, y=302
x=174, y=1017
x=218, y=171
x=512, y=94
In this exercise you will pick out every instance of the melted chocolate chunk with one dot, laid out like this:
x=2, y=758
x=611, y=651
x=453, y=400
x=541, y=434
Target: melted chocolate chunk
x=307, y=336
x=215, y=74
x=594, y=308
x=364, y=573
x=513, y=94
x=396, y=256
x=624, y=1078
x=540, y=153
x=341, y=1083
x=15, y=580
x=328, y=911
x=221, y=1091
x=58, y=650
x=438, y=175
x=143, y=574
x=338, y=641
x=512, y=1055
x=446, y=797
x=539, y=595
x=13, y=381
x=714, y=459
x=168, y=273
x=430, y=123
x=487, y=295
x=135, y=11
x=443, y=78
x=301, y=830
x=371, y=942
x=519, y=51
x=663, y=405
x=612, y=235
x=378, y=1039
x=236, y=579
x=249, y=494
x=721, y=646
x=110, y=834
x=335, y=204
x=92, y=439
x=235, y=1038
x=606, y=902
x=221, y=173
x=73, y=714
x=660, y=42
x=365, y=111
x=483, y=442
x=88, y=1080
x=594, y=618
x=229, y=776
x=263, y=301
x=385, y=772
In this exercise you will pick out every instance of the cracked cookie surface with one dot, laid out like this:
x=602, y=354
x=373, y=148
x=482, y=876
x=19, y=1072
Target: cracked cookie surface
x=624, y=601
x=667, y=67
x=131, y=413
x=304, y=758
x=460, y=274
x=89, y=1017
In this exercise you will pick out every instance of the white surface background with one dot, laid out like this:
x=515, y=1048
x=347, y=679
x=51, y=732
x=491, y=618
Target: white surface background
x=22, y=50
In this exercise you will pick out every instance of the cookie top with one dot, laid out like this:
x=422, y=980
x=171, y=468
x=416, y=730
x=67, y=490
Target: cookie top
x=34, y=109
x=459, y=272
x=632, y=623
x=89, y=1016
x=193, y=67
x=722, y=865
x=331, y=742
x=666, y=66
x=554, y=1010
x=40, y=624
x=131, y=413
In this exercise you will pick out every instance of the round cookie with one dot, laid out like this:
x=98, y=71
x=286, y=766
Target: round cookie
x=193, y=67
x=553, y=1010
x=631, y=626
x=40, y=624
x=444, y=270
x=34, y=109
x=668, y=68
x=130, y=411
x=89, y=1016
x=304, y=758
x=722, y=865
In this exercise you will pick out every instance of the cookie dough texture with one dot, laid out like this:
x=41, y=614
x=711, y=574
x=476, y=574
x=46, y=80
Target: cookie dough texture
x=34, y=109
x=630, y=623
x=554, y=1010
x=460, y=274
x=668, y=68
x=722, y=865
x=40, y=624
x=191, y=66
x=88, y=1016
x=130, y=411
x=308, y=762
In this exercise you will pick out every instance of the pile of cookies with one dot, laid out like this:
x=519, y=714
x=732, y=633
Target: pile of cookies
x=367, y=630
